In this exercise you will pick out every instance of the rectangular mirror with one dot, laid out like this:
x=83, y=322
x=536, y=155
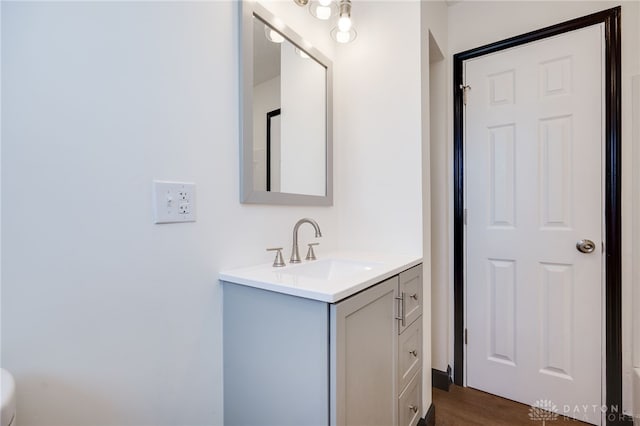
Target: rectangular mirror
x=286, y=104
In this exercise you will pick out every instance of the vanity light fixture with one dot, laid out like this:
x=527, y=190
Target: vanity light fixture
x=326, y=9
x=343, y=36
x=344, y=32
x=323, y=9
x=344, y=22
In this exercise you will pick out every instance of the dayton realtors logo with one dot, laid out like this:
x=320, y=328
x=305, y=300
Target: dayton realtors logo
x=543, y=411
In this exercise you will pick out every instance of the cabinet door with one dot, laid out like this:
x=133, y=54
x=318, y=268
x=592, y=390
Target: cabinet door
x=275, y=359
x=411, y=295
x=363, y=350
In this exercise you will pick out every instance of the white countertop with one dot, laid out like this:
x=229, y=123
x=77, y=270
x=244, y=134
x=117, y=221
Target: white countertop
x=331, y=278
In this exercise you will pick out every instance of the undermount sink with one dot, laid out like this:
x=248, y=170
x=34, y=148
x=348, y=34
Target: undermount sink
x=330, y=269
x=329, y=279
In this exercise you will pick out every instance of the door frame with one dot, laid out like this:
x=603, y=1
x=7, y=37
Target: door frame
x=613, y=230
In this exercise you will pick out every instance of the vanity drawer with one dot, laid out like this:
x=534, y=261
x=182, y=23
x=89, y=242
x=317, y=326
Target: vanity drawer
x=410, y=401
x=411, y=295
x=409, y=353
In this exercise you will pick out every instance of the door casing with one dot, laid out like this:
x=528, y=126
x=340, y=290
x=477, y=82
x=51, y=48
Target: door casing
x=612, y=187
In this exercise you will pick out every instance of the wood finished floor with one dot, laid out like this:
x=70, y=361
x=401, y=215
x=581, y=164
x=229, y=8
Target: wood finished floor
x=466, y=406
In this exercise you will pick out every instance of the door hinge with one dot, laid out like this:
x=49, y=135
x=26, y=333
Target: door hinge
x=464, y=89
x=464, y=216
x=465, y=336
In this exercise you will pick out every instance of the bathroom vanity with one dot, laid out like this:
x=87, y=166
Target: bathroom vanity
x=337, y=341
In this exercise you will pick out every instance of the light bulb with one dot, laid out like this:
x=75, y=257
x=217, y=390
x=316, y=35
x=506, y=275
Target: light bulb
x=343, y=36
x=344, y=23
x=323, y=12
x=325, y=2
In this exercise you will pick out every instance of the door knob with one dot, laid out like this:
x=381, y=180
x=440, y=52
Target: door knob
x=585, y=246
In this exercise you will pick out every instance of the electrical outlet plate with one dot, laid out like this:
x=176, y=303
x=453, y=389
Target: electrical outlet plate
x=174, y=202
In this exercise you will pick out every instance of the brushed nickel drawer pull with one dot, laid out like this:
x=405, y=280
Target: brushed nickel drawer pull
x=401, y=318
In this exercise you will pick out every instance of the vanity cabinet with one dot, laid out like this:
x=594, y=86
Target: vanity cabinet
x=296, y=361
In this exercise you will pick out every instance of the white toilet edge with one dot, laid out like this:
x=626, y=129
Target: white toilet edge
x=7, y=398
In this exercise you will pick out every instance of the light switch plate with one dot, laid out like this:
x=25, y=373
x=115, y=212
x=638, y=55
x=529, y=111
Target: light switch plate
x=174, y=202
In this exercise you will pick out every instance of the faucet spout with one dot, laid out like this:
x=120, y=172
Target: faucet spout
x=295, y=254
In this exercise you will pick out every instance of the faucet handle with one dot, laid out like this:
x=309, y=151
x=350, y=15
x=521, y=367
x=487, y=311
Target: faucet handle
x=310, y=253
x=278, y=261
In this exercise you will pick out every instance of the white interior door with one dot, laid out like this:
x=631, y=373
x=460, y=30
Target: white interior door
x=533, y=176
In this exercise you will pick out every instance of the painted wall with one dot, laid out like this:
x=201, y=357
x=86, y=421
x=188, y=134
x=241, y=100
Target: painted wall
x=505, y=19
x=434, y=38
x=378, y=129
x=433, y=42
x=636, y=235
x=108, y=319
x=378, y=134
x=636, y=221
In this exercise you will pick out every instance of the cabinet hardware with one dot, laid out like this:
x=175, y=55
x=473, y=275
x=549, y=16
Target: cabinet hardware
x=414, y=353
x=414, y=296
x=402, y=317
x=413, y=408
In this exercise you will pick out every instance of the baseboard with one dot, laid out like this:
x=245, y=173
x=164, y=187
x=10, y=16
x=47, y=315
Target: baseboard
x=440, y=379
x=430, y=418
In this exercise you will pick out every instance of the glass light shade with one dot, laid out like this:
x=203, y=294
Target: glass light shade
x=344, y=23
x=323, y=12
x=323, y=9
x=273, y=35
x=344, y=36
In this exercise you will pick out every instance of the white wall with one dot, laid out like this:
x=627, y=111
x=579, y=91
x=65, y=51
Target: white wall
x=501, y=20
x=636, y=222
x=108, y=319
x=636, y=235
x=379, y=136
x=378, y=129
x=433, y=42
x=435, y=170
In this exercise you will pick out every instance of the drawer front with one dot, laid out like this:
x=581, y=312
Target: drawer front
x=409, y=403
x=409, y=353
x=411, y=295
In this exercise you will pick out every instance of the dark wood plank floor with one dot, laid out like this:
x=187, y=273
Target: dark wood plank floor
x=466, y=406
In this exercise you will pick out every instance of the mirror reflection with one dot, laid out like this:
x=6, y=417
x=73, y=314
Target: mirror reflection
x=289, y=116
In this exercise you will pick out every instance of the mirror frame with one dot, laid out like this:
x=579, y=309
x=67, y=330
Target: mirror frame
x=247, y=192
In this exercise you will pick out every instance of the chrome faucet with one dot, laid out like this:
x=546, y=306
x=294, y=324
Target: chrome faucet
x=295, y=254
